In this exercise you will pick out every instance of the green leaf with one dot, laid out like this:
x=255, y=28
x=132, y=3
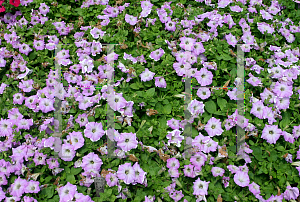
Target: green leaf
x=280, y=148
x=75, y=171
x=257, y=152
x=150, y=92
x=285, y=119
x=48, y=191
x=211, y=107
x=71, y=179
x=167, y=109
x=91, y=119
x=134, y=86
x=32, y=56
x=221, y=102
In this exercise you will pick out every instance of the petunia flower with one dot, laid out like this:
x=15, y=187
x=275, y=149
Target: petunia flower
x=282, y=90
x=236, y=8
x=198, y=160
x=175, y=137
x=111, y=179
x=200, y=187
x=94, y=131
x=170, y=26
x=91, y=161
x=241, y=179
x=139, y=174
x=216, y=171
x=18, y=187
x=157, y=54
x=127, y=141
x=258, y=109
x=204, y=77
x=271, y=133
x=254, y=188
x=203, y=93
x=126, y=173
x=225, y=181
x=213, y=127
x=77, y=139
x=296, y=132
x=67, y=192
x=291, y=193
x=173, y=163
x=67, y=152
x=160, y=82
x=132, y=20
x=147, y=75
x=32, y=187
x=187, y=43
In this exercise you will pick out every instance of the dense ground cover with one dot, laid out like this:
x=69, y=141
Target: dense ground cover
x=160, y=46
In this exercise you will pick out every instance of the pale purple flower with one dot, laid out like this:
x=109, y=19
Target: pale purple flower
x=187, y=43
x=173, y=123
x=173, y=163
x=203, y=93
x=157, y=54
x=91, y=161
x=132, y=20
x=216, y=171
x=160, y=82
x=204, y=77
x=175, y=137
x=139, y=174
x=126, y=173
x=32, y=187
x=147, y=75
x=296, y=132
x=67, y=152
x=213, y=127
x=82, y=120
x=189, y=171
x=44, y=9
x=225, y=181
x=282, y=90
x=39, y=158
x=198, y=160
x=94, y=131
x=95, y=32
x=291, y=193
x=170, y=26
x=200, y=187
x=67, y=192
x=271, y=133
x=288, y=137
x=127, y=141
x=111, y=179
x=18, y=187
x=26, y=86
x=53, y=163
x=236, y=8
x=241, y=179
x=39, y=44
x=258, y=109
x=224, y=3
x=254, y=188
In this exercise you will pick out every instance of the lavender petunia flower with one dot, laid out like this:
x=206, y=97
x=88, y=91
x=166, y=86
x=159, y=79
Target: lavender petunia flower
x=94, y=131
x=126, y=173
x=200, y=187
x=157, y=54
x=127, y=141
x=241, y=179
x=132, y=20
x=147, y=75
